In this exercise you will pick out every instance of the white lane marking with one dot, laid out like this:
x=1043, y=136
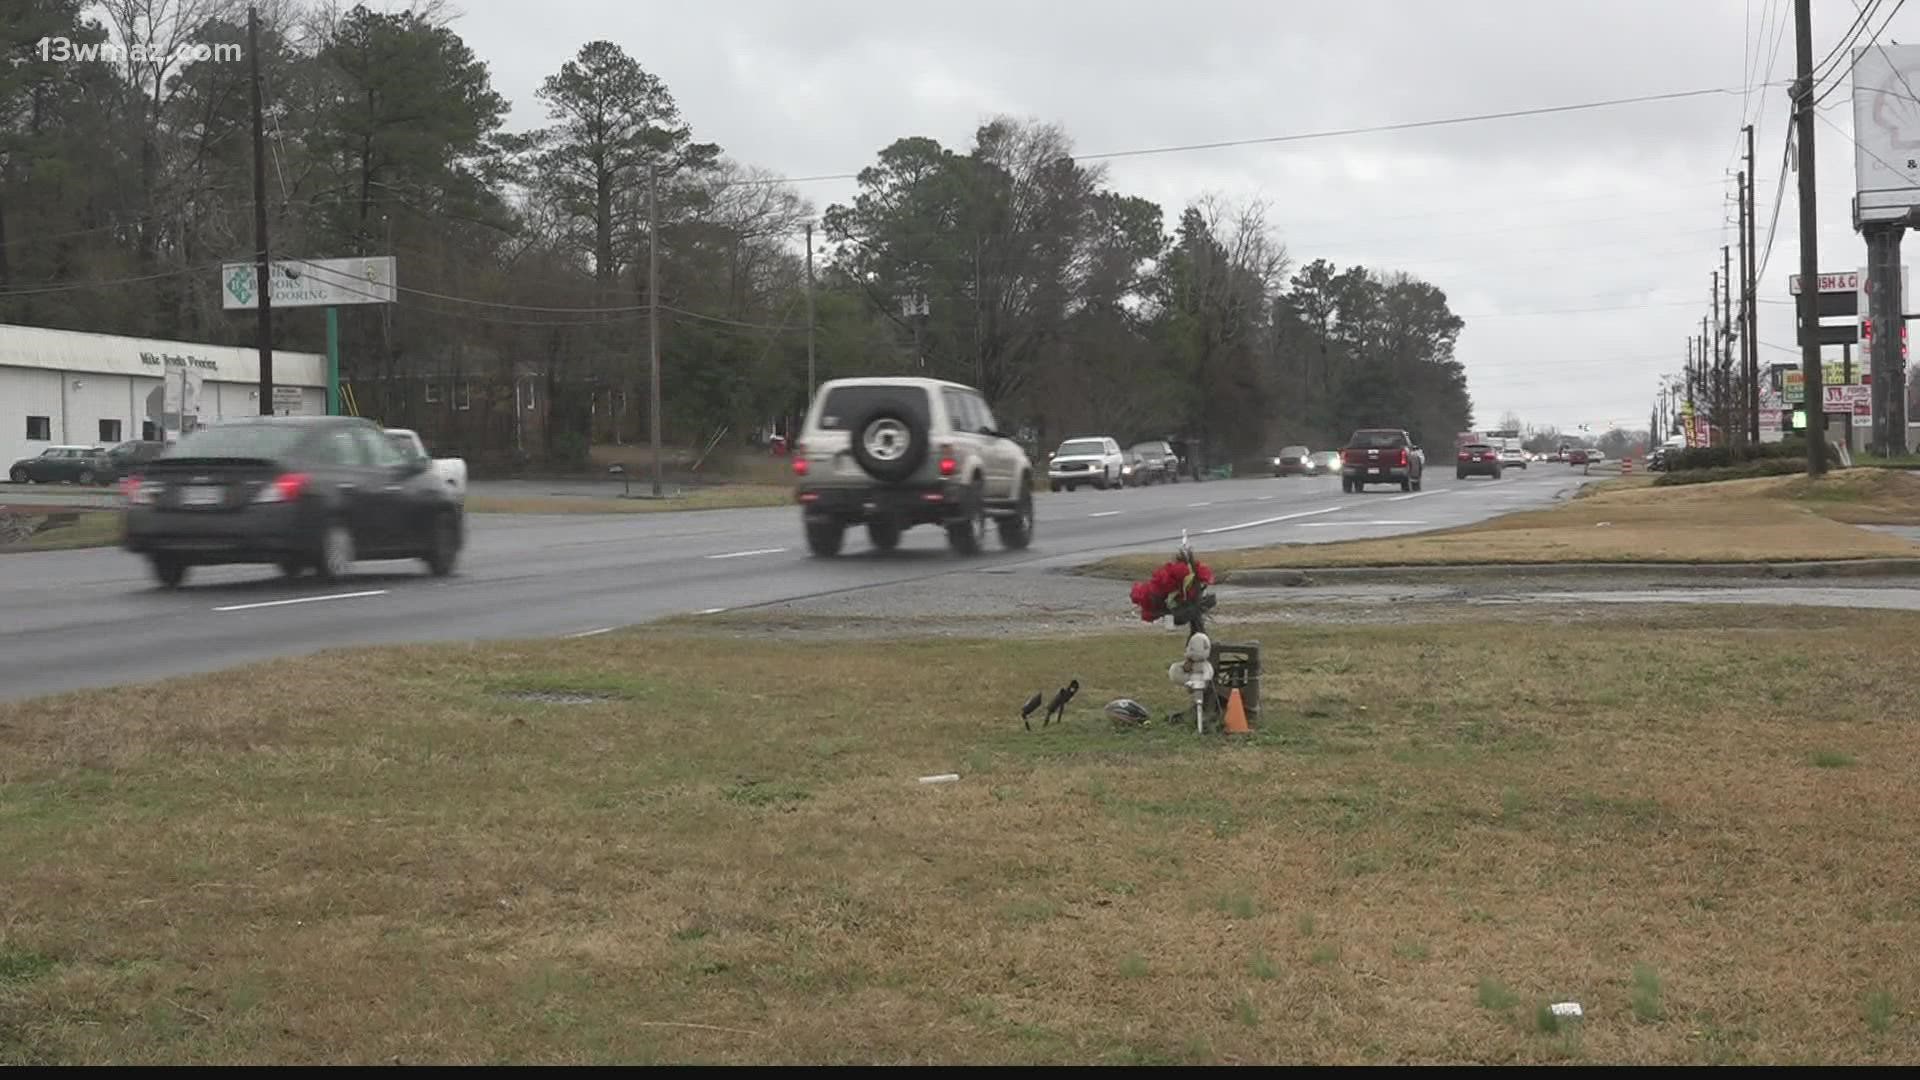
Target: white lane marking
x=302, y=600
x=1264, y=498
x=710, y=611
x=1417, y=495
x=1105, y=513
x=745, y=554
x=1271, y=521
x=1353, y=524
x=591, y=633
x=1196, y=506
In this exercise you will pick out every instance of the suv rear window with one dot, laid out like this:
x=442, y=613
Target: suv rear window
x=845, y=405
x=238, y=441
x=1377, y=439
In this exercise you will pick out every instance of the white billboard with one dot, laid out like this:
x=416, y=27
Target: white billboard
x=1886, y=131
x=309, y=283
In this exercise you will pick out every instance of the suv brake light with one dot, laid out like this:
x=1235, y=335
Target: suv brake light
x=283, y=488
x=799, y=459
x=948, y=465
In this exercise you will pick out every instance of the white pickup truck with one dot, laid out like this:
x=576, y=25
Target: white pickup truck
x=452, y=471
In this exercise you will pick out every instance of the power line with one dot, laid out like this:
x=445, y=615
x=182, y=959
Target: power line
x=1334, y=133
x=1840, y=79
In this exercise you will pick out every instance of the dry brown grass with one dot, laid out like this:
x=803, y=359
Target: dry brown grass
x=374, y=856
x=56, y=530
x=727, y=497
x=1770, y=519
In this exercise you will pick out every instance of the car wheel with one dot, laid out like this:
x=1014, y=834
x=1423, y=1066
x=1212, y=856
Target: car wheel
x=1496, y=474
x=1460, y=474
x=336, y=553
x=964, y=535
x=890, y=441
x=884, y=535
x=168, y=570
x=1017, y=532
x=86, y=477
x=291, y=569
x=1406, y=485
x=18, y=476
x=1416, y=482
x=445, y=545
x=825, y=537
x=1056, y=488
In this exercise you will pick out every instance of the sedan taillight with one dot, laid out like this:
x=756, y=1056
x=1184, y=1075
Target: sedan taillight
x=284, y=488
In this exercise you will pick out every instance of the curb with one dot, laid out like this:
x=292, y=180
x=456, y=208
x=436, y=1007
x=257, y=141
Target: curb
x=1847, y=568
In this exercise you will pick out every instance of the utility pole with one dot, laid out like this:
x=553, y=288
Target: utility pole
x=1727, y=348
x=1749, y=303
x=653, y=315
x=1809, y=240
x=262, y=260
x=810, y=380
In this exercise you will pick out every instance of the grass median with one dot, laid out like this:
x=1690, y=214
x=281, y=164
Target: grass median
x=39, y=529
x=1770, y=519
x=661, y=846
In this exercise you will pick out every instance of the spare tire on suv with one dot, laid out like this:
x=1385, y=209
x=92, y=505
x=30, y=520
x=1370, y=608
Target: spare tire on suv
x=889, y=442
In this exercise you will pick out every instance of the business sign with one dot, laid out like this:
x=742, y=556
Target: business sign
x=1886, y=132
x=1844, y=282
x=309, y=283
x=287, y=397
x=1849, y=399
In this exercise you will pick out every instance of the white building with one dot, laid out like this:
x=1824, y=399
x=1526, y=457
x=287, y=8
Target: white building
x=63, y=387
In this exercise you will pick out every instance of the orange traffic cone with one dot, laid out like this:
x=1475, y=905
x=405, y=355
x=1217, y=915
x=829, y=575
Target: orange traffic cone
x=1236, y=714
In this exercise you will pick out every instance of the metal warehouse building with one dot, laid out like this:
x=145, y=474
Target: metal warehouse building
x=63, y=387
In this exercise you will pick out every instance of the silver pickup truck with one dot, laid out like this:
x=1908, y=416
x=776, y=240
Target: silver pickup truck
x=452, y=471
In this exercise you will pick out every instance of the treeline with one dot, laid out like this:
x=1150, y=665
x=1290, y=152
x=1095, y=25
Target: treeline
x=523, y=255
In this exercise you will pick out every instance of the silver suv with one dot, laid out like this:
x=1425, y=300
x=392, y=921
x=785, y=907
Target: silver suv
x=892, y=453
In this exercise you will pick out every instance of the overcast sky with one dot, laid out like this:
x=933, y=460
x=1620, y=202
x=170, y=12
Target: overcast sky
x=1520, y=221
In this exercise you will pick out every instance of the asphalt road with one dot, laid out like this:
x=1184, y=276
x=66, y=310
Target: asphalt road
x=75, y=619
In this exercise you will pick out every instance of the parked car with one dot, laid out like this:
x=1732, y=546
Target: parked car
x=129, y=458
x=64, y=465
x=452, y=471
x=1293, y=461
x=1478, y=459
x=1095, y=460
x=1381, y=456
x=299, y=492
x=1157, y=462
x=892, y=453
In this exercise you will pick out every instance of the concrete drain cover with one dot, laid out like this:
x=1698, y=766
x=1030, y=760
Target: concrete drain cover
x=557, y=697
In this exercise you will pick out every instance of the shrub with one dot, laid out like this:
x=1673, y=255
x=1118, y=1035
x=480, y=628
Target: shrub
x=1744, y=471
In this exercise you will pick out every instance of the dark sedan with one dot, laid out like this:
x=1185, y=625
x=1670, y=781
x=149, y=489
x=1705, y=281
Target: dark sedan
x=131, y=457
x=298, y=492
x=64, y=465
x=1478, y=459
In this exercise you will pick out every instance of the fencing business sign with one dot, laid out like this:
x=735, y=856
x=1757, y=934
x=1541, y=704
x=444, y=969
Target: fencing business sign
x=310, y=283
x=1886, y=131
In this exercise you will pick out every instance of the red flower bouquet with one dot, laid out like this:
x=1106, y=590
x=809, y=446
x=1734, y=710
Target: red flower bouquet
x=1176, y=585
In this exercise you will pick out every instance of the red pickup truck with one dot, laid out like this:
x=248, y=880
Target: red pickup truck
x=1381, y=456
